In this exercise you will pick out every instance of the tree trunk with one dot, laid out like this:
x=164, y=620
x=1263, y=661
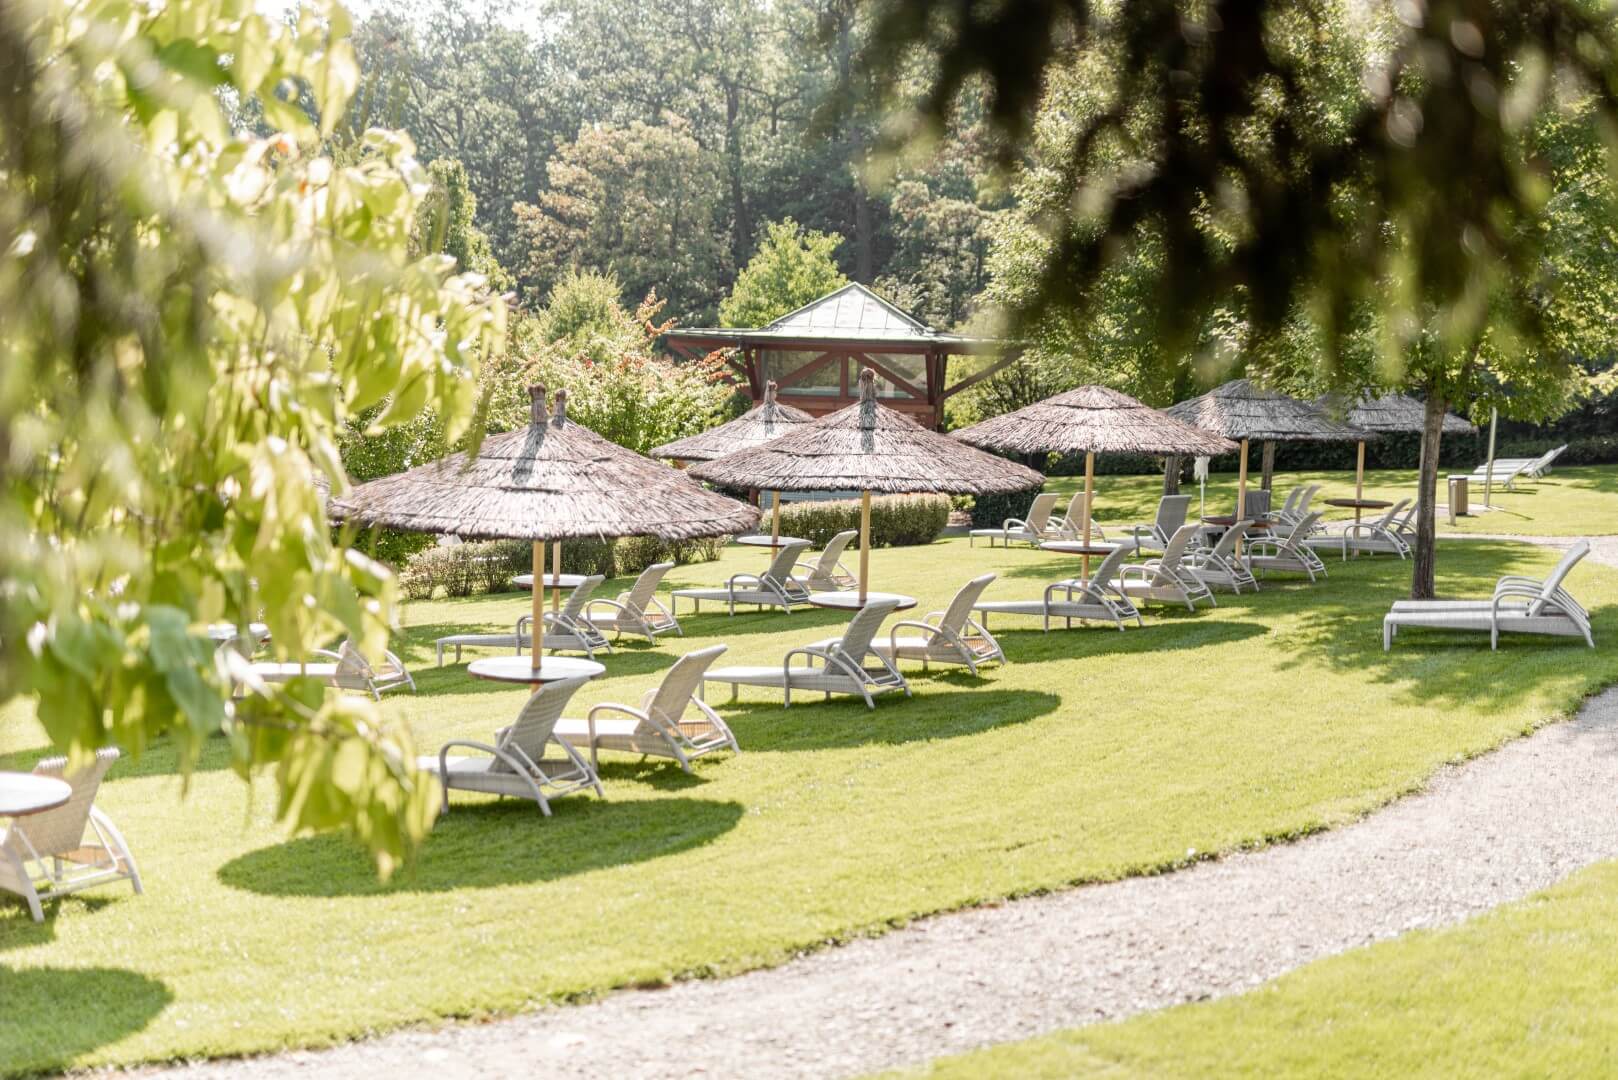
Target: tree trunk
x=741, y=239
x=1268, y=475
x=1421, y=577
x=1171, y=475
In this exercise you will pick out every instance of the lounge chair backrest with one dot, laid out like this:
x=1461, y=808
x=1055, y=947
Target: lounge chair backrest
x=862, y=628
x=351, y=664
x=1039, y=514
x=1392, y=514
x=533, y=726
x=56, y=832
x=1554, y=582
x=1291, y=503
x=960, y=608
x=786, y=560
x=1305, y=525
x=832, y=553
x=580, y=599
x=640, y=595
x=1175, y=549
x=1110, y=566
x=1308, y=497
x=1257, y=505
x=680, y=682
x=1171, y=512
x=1226, y=548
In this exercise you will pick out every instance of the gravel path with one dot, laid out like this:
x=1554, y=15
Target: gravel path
x=1483, y=834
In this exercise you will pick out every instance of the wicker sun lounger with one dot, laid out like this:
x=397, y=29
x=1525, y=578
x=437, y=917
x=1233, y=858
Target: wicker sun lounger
x=662, y=725
x=950, y=636
x=1168, y=579
x=1287, y=553
x=827, y=573
x=1093, y=599
x=1519, y=605
x=776, y=587
x=1220, y=566
x=1033, y=529
x=344, y=669
x=834, y=666
x=1171, y=515
x=636, y=611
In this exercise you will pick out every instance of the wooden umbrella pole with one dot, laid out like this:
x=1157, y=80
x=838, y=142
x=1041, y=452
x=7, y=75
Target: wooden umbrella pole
x=1359, y=474
x=1089, y=502
x=1241, y=490
x=775, y=517
x=865, y=545
x=537, y=608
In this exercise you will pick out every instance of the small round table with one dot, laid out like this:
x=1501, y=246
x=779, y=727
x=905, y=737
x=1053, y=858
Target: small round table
x=224, y=631
x=23, y=793
x=1079, y=547
x=1357, y=505
x=764, y=540
x=850, y=600
x=520, y=669
x=552, y=581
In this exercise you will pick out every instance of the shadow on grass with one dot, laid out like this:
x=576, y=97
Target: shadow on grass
x=486, y=843
x=51, y=1016
x=813, y=723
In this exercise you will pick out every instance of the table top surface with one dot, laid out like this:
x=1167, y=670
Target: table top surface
x=1359, y=504
x=1078, y=547
x=1227, y=520
x=764, y=540
x=224, y=631
x=552, y=581
x=850, y=600
x=24, y=793
x=520, y=669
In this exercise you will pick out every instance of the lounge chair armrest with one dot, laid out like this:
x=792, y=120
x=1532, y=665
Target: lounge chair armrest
x=518, y=762
x=1266, y=543
x=735, y=579
x=1144, y=570
x=616, y=605
x=326, y=653
x=613, y=706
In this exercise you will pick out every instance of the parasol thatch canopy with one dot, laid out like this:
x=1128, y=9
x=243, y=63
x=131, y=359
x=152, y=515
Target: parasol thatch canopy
x=1241, y=410
x=553, y=480
x=1092, y=420
x=1390, y=412
x=868, y=447
x=767, y=420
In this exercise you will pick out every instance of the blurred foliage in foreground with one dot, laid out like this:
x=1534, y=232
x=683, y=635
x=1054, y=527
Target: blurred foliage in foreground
x=190, y=315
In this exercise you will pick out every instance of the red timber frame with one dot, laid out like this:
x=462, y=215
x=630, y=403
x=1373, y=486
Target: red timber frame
x=925, y=403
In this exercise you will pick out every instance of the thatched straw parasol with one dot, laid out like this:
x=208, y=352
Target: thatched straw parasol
x=1242, y=411
x=554, y=480
x=1091, y=420
x=868, y=447
x=1388, y=413
x=765, y=421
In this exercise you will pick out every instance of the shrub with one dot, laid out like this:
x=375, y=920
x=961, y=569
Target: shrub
x=991, y=511
x=896, y=521
x=416, y=581
x=493, y=563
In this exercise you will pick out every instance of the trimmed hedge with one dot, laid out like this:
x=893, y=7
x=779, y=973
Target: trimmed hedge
x=896, y=520
x=991, y=511
x=489, y=565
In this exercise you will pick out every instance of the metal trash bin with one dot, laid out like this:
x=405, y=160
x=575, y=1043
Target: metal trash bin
x=1459, y=497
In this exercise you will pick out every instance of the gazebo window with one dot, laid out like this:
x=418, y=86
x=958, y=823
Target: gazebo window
x=781, y=365
x=911, y=367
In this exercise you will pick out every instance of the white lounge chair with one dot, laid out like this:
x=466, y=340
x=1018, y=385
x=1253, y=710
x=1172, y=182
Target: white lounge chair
x=344, y=669
x=1220, y=566
x=1543, y=465
x=1519, y=605
x=1093, y=599
x=566, y=629
x=659, y=726
x=950, y=636
x=70, y=848
x=1033, y=529
x=636, y=611
x=1167, y=579
x=776, y=587
x=835, y=666
x=1505, y=473
x=516, y=764
x=1287, y=553
x=1071, y=527
x=827, y=573
x=1171, y=515
x=1378, y=536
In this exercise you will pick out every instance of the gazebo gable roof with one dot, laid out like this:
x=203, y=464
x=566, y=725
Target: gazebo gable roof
x=850, y=312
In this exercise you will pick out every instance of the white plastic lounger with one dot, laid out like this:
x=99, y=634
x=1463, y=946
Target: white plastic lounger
x=1519, y=605
x=776, y=587
x=1219, y=566
x=636, y=611
x=566, y=629
x=1506, y=473
x=827, y=573
x=1171, y=514
x=1093, y=599
x=515, y=764
x=1379, y=536
x=950, y=636
x=1034, y=529
x=1071, y=527
x=1167, y=579
x=1288, y=553
x=73, y=847
x=660, y=725
x=344, y=669
x=835, y=666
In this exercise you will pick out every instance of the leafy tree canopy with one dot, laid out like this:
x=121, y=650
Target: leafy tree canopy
x=792, y=267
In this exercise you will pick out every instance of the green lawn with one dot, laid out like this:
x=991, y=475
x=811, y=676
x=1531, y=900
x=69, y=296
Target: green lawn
x=1528, y=990
x=1573, y=501
x=1094, y=754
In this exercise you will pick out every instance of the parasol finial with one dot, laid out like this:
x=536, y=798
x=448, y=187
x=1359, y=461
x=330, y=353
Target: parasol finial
x=769, y=392
x=867, y=385
x=561, y=404
x=536, y=405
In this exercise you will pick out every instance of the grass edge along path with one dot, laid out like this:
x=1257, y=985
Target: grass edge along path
x=1102, y=755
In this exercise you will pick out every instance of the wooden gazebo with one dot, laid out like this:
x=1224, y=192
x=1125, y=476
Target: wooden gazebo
x=815, y=355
